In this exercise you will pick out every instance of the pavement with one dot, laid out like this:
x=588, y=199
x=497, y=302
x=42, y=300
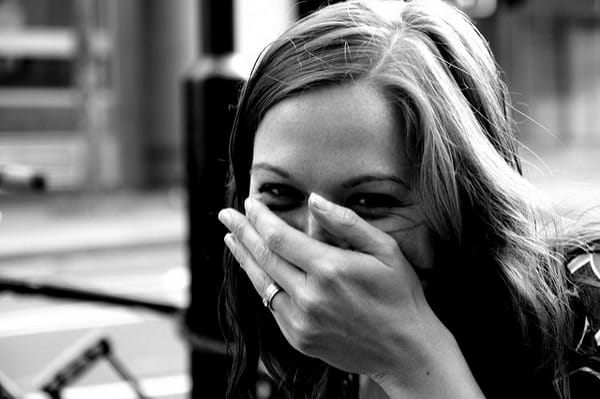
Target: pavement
x=43, y=224
x=128, y=244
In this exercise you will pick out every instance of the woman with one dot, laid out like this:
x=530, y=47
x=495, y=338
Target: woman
x=378, y=210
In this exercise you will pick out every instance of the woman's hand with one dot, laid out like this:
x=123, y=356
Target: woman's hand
x=361, y=309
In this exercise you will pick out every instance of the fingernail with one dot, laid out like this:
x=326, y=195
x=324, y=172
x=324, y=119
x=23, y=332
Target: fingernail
x=229, y=240
x=319, y=202
x=248, y=203
x=224, y=216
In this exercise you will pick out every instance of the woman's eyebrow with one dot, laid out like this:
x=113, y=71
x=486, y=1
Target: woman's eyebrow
x=355, y=181
x=270, y=168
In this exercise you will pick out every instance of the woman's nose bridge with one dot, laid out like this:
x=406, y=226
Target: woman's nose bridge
x=312, y=228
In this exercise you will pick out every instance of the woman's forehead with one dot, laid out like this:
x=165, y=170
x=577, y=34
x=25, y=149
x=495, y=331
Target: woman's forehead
x=335, y=133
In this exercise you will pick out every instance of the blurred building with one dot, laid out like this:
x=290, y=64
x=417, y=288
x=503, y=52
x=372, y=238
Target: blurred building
x=91, y=94
x=90, y=90
x=550, y=53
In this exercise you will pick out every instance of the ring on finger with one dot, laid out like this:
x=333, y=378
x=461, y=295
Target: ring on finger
x=272, y=290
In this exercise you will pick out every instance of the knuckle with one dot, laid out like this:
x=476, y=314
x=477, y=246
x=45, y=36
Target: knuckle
x=249, y=211
x=305, y=335
x=330, y=273
x=311, y=305
x=392, y=249
x=274, y=238
x=305, y=344
x=239, y=229
x=302, y=298
x=348, y=217
x=263, y=254
x=242, y=258
x=262, y=286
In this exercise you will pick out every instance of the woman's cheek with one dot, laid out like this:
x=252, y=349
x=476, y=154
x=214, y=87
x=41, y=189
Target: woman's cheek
x=292, y=217
x=413, y=237
x=295, y=218
x=406, y=227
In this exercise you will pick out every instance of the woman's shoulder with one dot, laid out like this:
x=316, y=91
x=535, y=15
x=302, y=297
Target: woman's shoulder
x=584, y=272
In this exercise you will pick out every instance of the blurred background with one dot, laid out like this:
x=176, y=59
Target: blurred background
x=123, y=108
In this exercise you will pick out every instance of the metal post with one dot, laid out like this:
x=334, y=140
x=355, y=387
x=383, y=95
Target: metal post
x=210, y=90
x=306, y=7
x=8, y=388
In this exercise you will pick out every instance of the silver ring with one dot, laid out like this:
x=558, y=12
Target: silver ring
x=272, y=290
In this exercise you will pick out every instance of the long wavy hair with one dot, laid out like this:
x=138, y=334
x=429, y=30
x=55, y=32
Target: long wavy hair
x=502, y=266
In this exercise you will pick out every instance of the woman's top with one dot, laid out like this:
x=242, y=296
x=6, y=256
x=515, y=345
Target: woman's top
x=585, y=362
x=516, y=372
x=475, y=307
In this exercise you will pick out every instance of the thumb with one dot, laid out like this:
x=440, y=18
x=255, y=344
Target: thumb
x=345, y=224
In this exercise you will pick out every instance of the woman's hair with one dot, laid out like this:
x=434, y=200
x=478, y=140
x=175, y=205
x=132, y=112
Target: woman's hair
x=437, y=71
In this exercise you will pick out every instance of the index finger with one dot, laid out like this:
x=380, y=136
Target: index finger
x=292, y=245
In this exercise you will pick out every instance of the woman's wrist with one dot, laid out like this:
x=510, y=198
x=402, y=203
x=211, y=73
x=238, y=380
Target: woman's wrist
x=434, y=367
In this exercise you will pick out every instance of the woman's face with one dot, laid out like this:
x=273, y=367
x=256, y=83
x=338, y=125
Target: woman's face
x=345, y=144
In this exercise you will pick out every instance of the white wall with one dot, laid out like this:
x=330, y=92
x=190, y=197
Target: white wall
x=258, y=22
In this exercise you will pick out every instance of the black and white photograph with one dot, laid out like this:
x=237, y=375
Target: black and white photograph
x=299, y=199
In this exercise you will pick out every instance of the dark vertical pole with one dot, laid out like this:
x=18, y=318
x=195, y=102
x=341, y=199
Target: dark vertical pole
x=306, y=7
x=8, y=388
x=210, y=90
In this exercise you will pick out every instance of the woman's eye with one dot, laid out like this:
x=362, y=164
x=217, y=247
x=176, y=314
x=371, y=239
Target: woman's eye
x=280, y=197
x=372, y=205
x=279, y=190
